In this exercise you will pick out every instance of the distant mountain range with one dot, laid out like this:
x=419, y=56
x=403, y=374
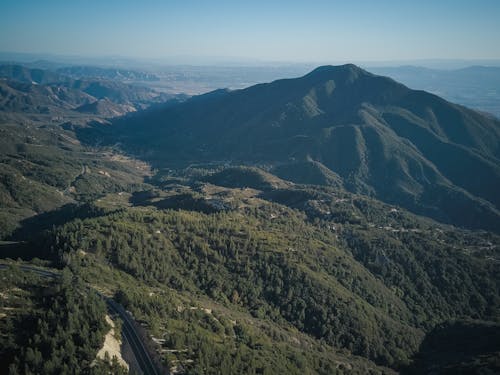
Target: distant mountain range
x=470, y=83
x=23, y=74
x=79, y=72
x=376, y=136
x=31, y=90
x=44, y=76
x=24, y=97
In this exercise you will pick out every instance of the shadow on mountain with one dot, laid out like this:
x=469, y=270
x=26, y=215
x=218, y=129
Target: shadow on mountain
x=185, y=201
x=462, y=347
x=33, y=226
x=17, y=250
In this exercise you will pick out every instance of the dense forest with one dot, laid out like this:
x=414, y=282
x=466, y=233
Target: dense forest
x=58, y=326
x=345, y=270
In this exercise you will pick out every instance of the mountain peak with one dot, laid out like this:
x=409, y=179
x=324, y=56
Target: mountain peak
x=348, y=72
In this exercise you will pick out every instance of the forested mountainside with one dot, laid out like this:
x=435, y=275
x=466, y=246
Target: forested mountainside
x=343, y=269
x=51, y=326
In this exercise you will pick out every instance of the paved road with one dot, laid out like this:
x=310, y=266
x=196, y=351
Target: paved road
x=140, y=352
x=129, y=331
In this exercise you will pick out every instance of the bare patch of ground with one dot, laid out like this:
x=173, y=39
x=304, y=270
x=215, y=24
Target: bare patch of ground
x=112, y=345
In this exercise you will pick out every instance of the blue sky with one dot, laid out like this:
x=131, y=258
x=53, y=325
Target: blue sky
x=295, y=31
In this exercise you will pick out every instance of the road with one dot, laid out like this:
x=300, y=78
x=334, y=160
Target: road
x=128, y=328
x=133, y=338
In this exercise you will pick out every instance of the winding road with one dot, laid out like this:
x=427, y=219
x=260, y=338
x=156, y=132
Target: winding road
x=128, y=327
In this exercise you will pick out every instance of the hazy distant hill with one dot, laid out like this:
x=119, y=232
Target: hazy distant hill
x=27, y=75
x=29, y=90
x=23, y=97
x=403, y=146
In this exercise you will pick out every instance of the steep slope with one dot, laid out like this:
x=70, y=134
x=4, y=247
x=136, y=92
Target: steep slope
x=403, y=146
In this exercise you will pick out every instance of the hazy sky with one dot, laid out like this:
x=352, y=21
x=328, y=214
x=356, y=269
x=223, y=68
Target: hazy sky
x=300, y=31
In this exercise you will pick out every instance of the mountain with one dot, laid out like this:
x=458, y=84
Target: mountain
x=246, y=177
x=403, y=146
x=242, y=251
x=43, y=167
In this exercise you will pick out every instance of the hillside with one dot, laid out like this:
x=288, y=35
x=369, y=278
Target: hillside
x=50, y=315
x=342, y=269
x=43, y=168
x=405, y=147
x=120, y=93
